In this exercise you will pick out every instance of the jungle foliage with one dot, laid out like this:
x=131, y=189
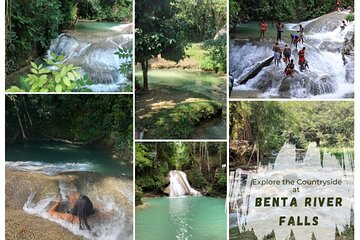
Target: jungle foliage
x=271, y=124
x=201, y=161
x=92, y=119
x=284, y=10
x=30, y=25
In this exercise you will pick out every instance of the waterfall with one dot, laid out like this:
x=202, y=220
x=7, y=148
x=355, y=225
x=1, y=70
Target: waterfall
x=179, y=185
x=330, y=74
x=243, y=191
x=95, y=56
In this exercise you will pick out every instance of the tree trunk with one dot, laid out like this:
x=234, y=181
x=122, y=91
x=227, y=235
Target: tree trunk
x=145, y=68
x=207, y=157
x=26, y=110
x=20, y=123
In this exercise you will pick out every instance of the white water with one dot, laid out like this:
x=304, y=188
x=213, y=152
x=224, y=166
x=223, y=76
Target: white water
x=95, y=57
x=328, y=77
x=179, y=185
x=111, y=223
x=264, y=219
x=51, y=168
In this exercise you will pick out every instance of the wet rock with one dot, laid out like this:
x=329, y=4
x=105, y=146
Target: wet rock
x=326, y=23
x=329, y=46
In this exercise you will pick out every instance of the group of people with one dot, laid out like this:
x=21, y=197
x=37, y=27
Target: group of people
x=295, y=38
x=285, y=54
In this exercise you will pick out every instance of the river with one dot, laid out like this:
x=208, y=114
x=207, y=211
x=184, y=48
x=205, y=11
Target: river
x=181, y=218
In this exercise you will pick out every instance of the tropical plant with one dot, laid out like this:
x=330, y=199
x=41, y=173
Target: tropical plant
x=56, y=77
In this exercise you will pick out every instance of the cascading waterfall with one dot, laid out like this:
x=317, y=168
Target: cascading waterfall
x=330, y=75
x=95, y=55
x=314, y=167
x=179, y=185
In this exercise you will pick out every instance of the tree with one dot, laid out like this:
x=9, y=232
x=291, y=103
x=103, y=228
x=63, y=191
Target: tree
x=158, y=31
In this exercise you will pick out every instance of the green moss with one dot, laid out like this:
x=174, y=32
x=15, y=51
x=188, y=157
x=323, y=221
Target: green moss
x=179, y=122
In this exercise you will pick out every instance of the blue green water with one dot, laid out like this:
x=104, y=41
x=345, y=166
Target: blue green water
x=56, y=157
x=200, y=218
x=95, y=27
x=251, y=30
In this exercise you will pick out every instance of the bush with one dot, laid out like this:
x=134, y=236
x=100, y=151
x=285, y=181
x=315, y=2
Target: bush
x=138, y=195
x=64, y=78
x=180, y=121
x=217, y=53
x=350, y=17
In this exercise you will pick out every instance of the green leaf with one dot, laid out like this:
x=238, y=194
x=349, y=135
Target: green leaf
x=53, y=55
x=44, y=90
x=58, y=88
x=67, y=81
x=57, y=78
x=44, y=70
x=71, y=76
x=33, y=65
x=14, y=89
x=63, y=71
x=60, y=58
x=34, y=71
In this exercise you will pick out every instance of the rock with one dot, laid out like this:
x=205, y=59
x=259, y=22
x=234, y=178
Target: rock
x=256, y=69
x=329, y=46
x=326, y=23
x=167, y=191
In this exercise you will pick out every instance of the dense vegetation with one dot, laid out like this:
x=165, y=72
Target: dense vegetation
x=90, y=119
x=180, y=121
x=265, y=126
x=201, y=161
x=32, y=24
x=284, y=10
x=167, y=27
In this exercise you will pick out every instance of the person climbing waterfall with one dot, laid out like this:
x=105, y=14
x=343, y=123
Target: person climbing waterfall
x=295, y=38
x=302, y=62
x=287, y=54
x=290, y=69
x=81, y=209
x=277, y=54
x=263, y=27
x=301, y=31
x=279, y=28
x=343, y=25
x=338, y=5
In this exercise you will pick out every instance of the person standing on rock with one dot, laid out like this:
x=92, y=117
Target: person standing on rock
x=279, y=28
x=287, y=54
x=343, y=25
x=277, y=54
x=263, y=27
x=301, y=54
x=301, y=31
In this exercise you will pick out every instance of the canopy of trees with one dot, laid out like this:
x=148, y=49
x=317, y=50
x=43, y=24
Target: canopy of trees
x=201, y=161
x=92, y=119
x=284, y=10
x=165, y=27
x=158, y=31
x=270, y=124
